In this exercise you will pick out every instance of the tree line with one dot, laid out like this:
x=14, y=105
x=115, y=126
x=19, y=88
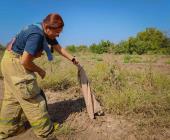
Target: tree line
x=2, y=47
x=149, y=41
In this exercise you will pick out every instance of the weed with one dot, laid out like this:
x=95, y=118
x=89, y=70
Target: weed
x=132, y=59
x=64, y=130
x=167, y=62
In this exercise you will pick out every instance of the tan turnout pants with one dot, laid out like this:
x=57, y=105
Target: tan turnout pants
x=21, y=98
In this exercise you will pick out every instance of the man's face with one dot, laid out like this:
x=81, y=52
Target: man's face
x=52, y=32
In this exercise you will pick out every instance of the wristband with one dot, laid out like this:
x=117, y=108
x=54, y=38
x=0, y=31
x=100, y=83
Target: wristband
x=73, y=60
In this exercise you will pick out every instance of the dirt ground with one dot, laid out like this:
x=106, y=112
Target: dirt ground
x=70, y=109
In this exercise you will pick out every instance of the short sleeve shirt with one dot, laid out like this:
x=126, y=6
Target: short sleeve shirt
x=30, y=39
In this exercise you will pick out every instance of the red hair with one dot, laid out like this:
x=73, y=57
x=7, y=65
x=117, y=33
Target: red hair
x=54, y=20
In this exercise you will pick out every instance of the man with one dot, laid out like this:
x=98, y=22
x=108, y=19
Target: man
x=22, y=95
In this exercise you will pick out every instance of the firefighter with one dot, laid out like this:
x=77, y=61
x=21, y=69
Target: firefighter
x=22, y=95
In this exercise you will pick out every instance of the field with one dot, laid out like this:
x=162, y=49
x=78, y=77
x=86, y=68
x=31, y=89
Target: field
x=134, y=91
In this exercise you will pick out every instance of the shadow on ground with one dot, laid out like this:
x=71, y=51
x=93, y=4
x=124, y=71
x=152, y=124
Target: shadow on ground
x=60, y=111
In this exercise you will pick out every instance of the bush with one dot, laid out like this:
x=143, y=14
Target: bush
x=71, y=48
x=150, y=41
x=2, y=48
x=82, y=48
x=102, y=47
x=132, y=59
x=121, y=48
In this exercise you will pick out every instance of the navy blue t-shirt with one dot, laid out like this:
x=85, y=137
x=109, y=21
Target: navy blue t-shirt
x=30, y=39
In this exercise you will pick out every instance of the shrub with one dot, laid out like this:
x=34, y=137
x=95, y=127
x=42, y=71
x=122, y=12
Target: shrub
x=102, y=47
x=82, y=48
x=71, y=48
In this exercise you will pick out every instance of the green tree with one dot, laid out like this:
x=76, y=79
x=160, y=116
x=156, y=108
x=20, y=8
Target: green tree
x=121, y=47
x=94, y=48
x=102, y=47
x=152, y=39
x=132, y=45
x=2, y=47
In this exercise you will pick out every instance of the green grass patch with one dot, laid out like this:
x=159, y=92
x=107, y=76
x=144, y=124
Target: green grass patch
x=95, y=57
x=142, y=96
x=64, y=130
x=167, y=62
x=132, y=59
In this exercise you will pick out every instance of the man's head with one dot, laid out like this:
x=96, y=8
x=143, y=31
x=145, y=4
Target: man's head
x=53, y=25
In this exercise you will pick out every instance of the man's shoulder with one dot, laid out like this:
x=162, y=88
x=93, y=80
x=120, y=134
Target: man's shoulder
x=32, y=29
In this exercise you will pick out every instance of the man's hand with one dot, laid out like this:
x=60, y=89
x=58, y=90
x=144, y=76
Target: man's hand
x=75, y=61
x=42, y=73
x=27, y=62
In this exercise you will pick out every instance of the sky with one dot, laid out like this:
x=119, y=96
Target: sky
x=86, y=21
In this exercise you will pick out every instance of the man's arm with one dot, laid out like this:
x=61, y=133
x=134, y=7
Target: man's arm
x=63, y=52
x=27, y=62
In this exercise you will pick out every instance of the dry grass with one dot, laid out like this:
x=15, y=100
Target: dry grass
x=143, y=94
x=1, y=55
x=135, y=87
